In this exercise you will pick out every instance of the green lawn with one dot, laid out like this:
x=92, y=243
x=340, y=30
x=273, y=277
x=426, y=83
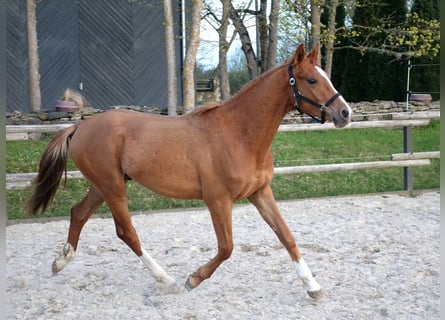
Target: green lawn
x=290, y=149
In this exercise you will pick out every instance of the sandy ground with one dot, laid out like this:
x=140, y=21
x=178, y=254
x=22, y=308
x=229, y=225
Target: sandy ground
x=376, y=256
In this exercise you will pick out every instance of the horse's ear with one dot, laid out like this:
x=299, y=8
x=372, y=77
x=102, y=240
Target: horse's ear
x=300, y=54
x=313, y=55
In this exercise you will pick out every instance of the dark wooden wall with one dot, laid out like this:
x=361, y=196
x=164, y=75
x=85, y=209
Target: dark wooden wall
x=114, y=49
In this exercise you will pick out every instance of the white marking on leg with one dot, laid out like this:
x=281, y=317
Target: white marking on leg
x=156, y=270
x=305, y=275
x=65, y=256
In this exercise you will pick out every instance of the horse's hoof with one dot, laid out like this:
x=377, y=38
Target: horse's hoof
x=170, y=288
x=63, y=259
x=317, y=295
x=188, y=285
x=58, y=264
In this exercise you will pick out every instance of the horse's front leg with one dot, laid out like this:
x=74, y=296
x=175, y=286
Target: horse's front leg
x=221, y=213
x=264, y=201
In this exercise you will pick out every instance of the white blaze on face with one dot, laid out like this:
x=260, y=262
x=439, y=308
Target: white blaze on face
x=325, y=76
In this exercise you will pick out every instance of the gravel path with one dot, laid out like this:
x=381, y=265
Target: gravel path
x=376, y=256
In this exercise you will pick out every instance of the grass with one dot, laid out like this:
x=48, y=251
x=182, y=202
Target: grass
x=290, y=149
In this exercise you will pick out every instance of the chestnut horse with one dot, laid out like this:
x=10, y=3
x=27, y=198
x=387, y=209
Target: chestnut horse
x=220, y=153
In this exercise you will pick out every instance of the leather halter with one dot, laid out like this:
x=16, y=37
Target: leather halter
x=298, y=97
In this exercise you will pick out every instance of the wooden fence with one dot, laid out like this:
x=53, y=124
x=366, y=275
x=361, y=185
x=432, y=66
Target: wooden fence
x=24, y=180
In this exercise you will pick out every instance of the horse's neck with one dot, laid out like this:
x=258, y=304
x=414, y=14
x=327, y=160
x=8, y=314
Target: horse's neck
x=257, y=110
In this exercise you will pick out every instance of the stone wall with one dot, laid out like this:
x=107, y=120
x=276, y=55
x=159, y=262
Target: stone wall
x=379, y=110
x=376, y=110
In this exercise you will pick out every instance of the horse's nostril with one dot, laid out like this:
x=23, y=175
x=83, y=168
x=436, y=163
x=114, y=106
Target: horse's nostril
x=345, y=113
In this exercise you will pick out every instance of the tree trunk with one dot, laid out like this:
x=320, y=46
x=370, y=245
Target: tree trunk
x=35, y=98
x=172, y=90
x=273, y=34
x=331, y=37
x=252, y=64
x=188, y=76
x=263, y=35
x=223, y=48
x=315, y=22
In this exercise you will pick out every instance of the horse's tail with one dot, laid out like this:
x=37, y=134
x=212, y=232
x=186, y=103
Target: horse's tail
x=52, y=166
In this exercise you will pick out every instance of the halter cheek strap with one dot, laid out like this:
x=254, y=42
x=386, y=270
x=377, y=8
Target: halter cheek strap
x=298, y=97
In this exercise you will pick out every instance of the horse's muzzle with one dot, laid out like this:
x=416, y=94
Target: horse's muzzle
x=341, y=116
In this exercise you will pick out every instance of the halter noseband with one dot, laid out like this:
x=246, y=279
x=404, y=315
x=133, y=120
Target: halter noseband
x=298, y=97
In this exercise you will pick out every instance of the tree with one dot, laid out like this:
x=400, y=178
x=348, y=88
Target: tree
x=238, y=72
x=268, y=33
x=268, y=36
x=354, y=84
x=386, y=74
x=172, y=90
x=224, y=45
x=381, y=32
x=294, y=27
x=273, y=34
x=188, y=79
x=338, y=55
x=35, y=98
x=257, y=62
x=262, y=30
x=315, y=23
x=383, y=37
x=401, y=36
x=246, y=42
x=219, y=21
x=303, y=20
x=330, y=38
x=425, y=76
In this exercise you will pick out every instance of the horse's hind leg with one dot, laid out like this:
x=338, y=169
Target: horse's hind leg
x=80, y=214
x=264, y=201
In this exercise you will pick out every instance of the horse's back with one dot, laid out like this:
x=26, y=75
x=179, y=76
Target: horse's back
x=117, y=124
x=156, y=151
x=173, y=156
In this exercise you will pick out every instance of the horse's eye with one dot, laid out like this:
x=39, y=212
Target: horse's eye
x=311, y=81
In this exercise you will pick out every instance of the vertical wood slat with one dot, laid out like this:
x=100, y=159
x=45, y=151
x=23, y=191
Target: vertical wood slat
x=57, y=29
x=16, y=60
x=106, y=50
x=115, y=48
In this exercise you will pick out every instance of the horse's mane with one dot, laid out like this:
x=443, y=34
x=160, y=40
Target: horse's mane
x=246, y=87
x=205, y=108
x=252, y=82
x=213, y=105
x=288, y=60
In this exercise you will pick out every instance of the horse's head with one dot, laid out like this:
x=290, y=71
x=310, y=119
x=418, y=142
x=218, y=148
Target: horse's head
x=313, y=91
